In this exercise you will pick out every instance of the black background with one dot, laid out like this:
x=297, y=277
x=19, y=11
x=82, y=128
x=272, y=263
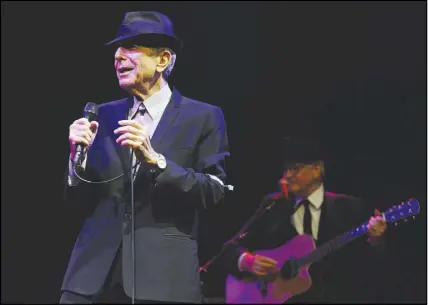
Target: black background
x=352, y=74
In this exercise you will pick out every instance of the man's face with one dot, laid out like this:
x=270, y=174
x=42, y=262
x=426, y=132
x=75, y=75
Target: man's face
x=301, y=177
x=135, y=66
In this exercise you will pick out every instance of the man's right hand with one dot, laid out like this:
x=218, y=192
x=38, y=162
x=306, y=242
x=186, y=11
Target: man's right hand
x=258, y=264
x=81, y=132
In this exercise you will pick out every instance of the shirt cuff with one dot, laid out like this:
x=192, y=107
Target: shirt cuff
x=240, y=262
x=216, y=179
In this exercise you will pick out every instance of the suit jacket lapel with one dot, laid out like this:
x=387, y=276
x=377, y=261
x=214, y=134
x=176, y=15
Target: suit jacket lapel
x=290, y=209
x=168, y=118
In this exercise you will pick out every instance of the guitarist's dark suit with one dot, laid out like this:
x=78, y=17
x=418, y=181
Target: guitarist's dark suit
x=344, y=275
x=192, y=137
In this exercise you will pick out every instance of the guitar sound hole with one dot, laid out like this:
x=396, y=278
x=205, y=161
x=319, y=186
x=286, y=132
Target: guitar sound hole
x=290, y=269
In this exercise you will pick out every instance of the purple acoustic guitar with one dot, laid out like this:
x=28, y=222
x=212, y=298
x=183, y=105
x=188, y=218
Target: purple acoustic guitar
x=273, y=289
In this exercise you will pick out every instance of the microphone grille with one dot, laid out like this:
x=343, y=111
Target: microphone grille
x=91, y=107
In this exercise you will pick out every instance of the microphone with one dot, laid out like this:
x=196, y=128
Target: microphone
x=91, y=114
x=283, y=187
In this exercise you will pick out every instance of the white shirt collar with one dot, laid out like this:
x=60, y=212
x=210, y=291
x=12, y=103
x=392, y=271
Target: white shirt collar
x=156, y=103
x=316, y=198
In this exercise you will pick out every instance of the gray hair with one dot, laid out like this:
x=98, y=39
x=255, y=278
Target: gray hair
x=171, y=64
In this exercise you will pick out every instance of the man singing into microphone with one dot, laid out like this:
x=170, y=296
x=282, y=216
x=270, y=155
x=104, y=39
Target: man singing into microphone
x=179, y=146
x=347, y=275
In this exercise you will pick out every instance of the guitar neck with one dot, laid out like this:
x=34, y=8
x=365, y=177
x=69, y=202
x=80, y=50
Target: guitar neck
x=333, y=244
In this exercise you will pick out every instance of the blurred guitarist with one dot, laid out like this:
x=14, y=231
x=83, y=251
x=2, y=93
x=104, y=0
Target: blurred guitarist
x=349, y=274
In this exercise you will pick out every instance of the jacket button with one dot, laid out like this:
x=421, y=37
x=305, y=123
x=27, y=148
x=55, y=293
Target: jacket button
x=128, y=216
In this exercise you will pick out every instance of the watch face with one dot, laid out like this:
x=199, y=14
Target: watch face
x=162, y=163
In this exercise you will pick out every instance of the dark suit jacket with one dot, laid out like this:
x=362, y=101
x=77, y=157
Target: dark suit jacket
x=344, y=275
x=192, y=137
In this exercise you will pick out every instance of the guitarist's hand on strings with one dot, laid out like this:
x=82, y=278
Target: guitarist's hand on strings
x=258, y=264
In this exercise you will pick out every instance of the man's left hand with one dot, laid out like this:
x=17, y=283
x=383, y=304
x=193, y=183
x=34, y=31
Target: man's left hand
x=377, y=225
x=135, y=135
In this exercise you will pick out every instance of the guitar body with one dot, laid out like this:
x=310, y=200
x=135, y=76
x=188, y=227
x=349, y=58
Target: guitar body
x=247, y=291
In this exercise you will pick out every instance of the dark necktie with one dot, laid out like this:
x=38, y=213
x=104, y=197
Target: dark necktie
x=139, y=112
x=307, y=218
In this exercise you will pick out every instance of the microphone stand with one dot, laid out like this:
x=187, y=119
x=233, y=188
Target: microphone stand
x=133, y=253
x=131, y=177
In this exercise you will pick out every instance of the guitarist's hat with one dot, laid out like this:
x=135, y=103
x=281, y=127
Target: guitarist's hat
x=301, y=150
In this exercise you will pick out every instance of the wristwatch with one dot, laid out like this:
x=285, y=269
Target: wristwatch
x=161, y=162
x=158, y=166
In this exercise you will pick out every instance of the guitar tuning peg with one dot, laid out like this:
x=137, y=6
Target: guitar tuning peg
x=405, y=220
x=413, y=217
x=395, y=223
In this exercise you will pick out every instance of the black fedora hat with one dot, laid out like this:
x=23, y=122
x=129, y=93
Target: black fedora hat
x=149, y=28
x=302, y=150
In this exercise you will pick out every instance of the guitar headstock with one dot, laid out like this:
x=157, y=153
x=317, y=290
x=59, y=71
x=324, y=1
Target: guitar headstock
x=403, y=211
